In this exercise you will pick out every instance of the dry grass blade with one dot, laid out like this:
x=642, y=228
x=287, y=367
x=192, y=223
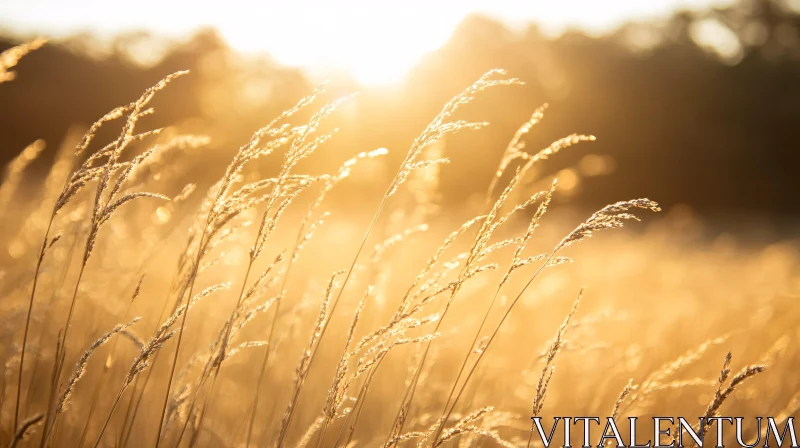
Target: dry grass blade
x=466, y=425
x=78, y=372
x=515, y=148
x=105, y=197
x=301, y=373
x=547, y=370
x=225, y=202
x=149, y=350
x=659, y=378
x=722, y=394
x=80, y=368
x=611, y=216
x=304, y=235
x=282, y=195
x=25, y=429
x=516, y=263
x=439, y=127
x=629, y=387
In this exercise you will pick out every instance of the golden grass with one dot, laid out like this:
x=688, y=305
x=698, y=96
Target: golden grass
x=402, y=329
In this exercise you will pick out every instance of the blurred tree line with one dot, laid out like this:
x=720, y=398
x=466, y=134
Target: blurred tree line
x=701, y=108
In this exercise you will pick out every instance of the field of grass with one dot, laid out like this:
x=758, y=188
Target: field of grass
x=141, y=309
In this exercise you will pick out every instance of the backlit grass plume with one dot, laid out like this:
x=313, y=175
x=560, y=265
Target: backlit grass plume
x=276, y=311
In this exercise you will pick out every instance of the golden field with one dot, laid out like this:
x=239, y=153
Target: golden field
x=141, y=309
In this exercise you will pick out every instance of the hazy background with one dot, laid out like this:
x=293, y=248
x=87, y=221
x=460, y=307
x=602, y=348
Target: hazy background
x=694, y=104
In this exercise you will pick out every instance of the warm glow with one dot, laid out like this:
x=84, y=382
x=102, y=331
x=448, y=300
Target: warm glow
x=376, y=42
x=377, y=45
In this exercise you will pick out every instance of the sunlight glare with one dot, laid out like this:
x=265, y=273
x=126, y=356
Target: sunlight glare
x=376, y=44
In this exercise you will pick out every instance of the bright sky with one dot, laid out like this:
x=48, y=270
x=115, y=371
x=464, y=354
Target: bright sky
x=376, y=40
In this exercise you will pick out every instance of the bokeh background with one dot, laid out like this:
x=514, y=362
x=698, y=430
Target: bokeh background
x=694, y=104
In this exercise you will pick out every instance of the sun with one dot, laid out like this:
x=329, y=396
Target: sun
x=376, y=44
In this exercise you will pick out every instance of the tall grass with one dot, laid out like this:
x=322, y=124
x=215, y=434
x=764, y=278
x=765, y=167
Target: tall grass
x=405, y=329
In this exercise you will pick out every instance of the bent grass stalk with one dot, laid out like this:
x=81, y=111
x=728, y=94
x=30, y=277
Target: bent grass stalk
x=475, y=255
x=106, y=205
x=102, y=212
x=549, y=369
x=437, y=129
x=148, y=351
x=516, y=263
x=513, y=151
x=611, y=216
x=71, y=186
x=224, y=207
x=300, y=148
x=39, y=261
x=304, y=234
x=25, y=429
x=106, y=368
